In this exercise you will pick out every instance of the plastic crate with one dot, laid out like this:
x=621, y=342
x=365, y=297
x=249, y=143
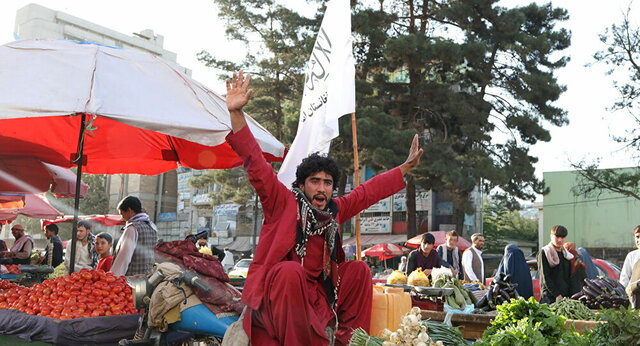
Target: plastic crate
x=428, y=304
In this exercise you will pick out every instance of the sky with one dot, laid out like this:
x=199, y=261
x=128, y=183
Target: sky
x=193, y=26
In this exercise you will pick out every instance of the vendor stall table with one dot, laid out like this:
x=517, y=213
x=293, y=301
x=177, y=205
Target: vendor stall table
x=473, y=325
x=78, y=331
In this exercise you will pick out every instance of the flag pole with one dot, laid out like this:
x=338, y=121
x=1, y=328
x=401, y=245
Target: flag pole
x=356, y=180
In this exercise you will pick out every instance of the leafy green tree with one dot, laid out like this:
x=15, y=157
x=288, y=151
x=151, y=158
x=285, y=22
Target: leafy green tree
x=234, y=182
x=501, y=223
x=279, y=42
x=622, y=55
x=472, y=68
x=96, y=201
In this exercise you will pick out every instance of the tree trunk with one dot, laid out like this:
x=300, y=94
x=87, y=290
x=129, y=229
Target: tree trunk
x=458, y=220
x=411, y=208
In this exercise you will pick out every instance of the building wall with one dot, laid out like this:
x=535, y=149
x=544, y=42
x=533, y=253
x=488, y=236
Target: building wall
x=603, y=222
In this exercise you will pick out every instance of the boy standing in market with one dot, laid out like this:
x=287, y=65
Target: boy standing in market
x=554, y=263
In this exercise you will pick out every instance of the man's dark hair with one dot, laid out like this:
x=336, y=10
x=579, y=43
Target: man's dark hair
x=52, y=227
x=559, y=231
x=84, y=223
x=106, y=236
x=130, y=202
x=636, y=229
x=315, y=163
x=428, y=238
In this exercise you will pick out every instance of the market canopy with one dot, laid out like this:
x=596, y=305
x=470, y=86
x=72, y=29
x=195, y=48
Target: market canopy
x=140, y=114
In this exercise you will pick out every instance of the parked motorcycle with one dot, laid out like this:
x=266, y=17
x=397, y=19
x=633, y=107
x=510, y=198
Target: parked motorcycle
x=197, y=323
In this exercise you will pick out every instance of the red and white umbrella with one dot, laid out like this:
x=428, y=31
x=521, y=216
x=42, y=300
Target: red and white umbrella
x=105, y=220
x=35, y=205
x=385, y=251
x=136, y=113
x=108, y=110
x=30, y=175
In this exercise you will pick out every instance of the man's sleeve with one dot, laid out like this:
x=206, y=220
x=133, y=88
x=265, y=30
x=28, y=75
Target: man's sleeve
x=261, y=174
x=411, y=263
x=467, y=265
x=368, y=193
x=126, y=247
x=543, y=271
x=625, y=275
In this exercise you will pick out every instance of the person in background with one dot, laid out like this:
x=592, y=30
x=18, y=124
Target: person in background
x=513, y=263
x=592, y=271
x=403, y=264
x=86, y=256
x=134, y=252
x=104, y=241
x=227, y=261
x=54, y=254
x=578, y=270
x=632, y=258
x=472, y=262
x=20, y=252
x=204, y=247
x=425, y=257
x=554, y=264
x=450, y=254
x=3, y=246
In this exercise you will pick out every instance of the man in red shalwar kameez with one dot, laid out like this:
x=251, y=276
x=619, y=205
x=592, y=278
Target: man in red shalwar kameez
x=299, y=287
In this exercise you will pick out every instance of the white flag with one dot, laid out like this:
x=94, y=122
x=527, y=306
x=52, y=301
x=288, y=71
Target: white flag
x=329, y=89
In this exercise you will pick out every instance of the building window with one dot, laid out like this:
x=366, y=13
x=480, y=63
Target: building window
x=400, y=216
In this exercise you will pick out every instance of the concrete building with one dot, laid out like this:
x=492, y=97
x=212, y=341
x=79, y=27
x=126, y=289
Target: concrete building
x=158, y=193
x=602, y=224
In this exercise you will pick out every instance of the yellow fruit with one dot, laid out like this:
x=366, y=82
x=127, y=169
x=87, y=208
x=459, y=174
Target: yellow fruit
x=418, y=278
x=397, y=278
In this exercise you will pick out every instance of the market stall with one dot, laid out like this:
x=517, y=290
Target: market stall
x=88, y=307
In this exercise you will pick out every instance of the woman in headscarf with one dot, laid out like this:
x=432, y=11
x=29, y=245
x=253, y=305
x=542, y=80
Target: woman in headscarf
x=514, y=264
x=592, y=272
x=578, y=269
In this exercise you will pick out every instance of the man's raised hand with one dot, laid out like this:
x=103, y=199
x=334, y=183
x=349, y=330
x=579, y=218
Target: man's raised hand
x=414, y=156
x=238, y=92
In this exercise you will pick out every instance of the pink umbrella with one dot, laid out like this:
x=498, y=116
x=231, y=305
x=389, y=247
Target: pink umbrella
x=440, y=236
x=36, y=206
x=30, y=175
x=384, y=251
x=106, y=220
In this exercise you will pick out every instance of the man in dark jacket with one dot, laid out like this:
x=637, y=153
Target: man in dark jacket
x=54, y=255
x=554, y=263
x=426, y=257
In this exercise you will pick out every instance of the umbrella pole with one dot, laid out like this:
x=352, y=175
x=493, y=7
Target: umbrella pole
x=76, y=205
x=356, y=181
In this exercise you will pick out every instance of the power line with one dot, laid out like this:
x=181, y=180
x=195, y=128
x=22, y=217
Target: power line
x=586, y=201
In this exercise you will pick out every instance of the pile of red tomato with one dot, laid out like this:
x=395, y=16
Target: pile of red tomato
x=13, y=269
x=6, y=284
x=88, y=293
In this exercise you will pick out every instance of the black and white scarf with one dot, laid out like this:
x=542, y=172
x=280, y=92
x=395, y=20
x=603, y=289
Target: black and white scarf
x=312, y=221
